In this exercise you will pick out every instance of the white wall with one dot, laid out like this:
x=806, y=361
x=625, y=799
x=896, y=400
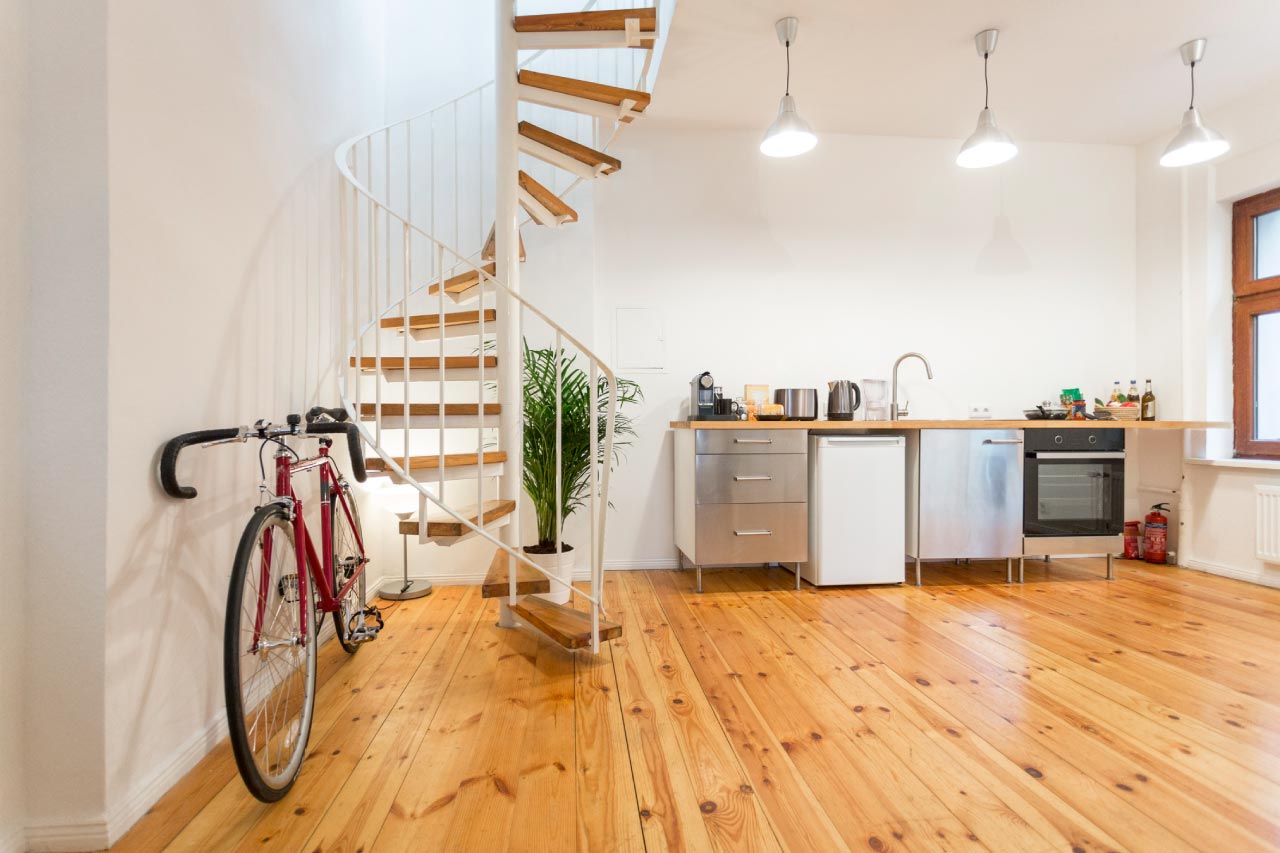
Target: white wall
x=795, y=272
x=436, y=50
x=1184, y=328
x=65, y=418
x=13, y=295
x=222, y=217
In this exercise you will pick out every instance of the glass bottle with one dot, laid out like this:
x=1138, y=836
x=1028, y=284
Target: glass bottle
x=1149, y=404
x=1133, y=391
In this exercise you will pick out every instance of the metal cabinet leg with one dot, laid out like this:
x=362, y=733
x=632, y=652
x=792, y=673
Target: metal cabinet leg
x=918, y=572
x=698, y=569
x=1021, y=568
x=1008, y=569
x=797, y=576
x=1111, y=567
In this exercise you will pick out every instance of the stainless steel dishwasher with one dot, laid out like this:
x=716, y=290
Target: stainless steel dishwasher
x=964, y=495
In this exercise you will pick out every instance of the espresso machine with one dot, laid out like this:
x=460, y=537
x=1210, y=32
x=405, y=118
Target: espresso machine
x=706, y=403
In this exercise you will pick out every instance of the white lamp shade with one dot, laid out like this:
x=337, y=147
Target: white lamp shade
x=988, y=145
x=1193, y=143
x=789, y=134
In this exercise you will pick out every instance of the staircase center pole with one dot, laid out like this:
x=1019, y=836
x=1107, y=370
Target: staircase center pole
x=507, y=266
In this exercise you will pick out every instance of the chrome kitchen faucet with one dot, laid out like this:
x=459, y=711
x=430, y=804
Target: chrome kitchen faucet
x=894, y=411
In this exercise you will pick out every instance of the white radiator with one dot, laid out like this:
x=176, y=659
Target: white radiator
x=1268, y=523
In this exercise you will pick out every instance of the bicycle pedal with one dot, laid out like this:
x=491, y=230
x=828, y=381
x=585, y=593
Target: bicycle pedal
x=363, y=634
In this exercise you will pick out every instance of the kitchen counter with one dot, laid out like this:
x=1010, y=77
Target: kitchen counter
x=964, y=423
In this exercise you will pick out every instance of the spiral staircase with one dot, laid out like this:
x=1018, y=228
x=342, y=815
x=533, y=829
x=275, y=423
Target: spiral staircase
x=431, y=313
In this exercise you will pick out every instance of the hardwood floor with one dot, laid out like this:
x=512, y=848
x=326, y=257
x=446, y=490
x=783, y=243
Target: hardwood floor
x=1070, y=713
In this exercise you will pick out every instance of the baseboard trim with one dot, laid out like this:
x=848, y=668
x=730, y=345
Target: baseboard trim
x=1259, y=578
x=61, y=837
x=13, y=840
x=650, y=564
x=125, y=813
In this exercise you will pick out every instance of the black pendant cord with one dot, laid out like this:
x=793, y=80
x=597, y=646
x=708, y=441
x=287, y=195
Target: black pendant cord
x=986, y=83
x=788, y=91
x=1193, y=87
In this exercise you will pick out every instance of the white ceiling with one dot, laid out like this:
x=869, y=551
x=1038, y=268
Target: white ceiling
x=1104, y=71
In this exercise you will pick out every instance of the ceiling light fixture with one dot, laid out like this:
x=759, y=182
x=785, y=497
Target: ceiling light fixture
x=789, y=134
x=988, y=145
x=1193, y=143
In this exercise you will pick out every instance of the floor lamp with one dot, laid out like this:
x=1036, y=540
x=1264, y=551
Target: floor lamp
x=406, y=589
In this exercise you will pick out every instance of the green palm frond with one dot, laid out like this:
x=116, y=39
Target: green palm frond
x=541, y=369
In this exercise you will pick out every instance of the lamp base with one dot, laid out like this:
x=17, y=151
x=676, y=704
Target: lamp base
x=404, y=590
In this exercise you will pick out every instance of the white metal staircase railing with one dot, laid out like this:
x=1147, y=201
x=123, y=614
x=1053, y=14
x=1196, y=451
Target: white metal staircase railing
x=416, y=197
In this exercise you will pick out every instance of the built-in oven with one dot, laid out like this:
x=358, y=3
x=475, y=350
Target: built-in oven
x=1073, y=484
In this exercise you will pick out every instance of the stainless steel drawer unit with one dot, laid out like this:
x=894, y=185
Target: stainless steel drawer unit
x=741, y=496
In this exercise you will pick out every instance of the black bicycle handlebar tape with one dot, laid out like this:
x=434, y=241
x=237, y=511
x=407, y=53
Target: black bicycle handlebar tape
x=353, y=443
x=339, y=414
x=169, y=459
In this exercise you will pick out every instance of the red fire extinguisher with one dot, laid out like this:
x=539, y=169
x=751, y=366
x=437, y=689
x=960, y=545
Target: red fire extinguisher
x=1155, y=534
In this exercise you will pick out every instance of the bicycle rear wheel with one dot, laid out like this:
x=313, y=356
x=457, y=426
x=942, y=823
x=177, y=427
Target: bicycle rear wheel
x=269, y=659
x=348, y=558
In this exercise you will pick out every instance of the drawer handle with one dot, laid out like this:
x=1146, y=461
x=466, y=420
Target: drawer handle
x=744, y=477
x=753, y=533
x=753, y=441
x=1002, y=441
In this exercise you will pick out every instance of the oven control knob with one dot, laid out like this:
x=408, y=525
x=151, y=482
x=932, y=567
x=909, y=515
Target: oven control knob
x=1057, y=439
x=1093, y=439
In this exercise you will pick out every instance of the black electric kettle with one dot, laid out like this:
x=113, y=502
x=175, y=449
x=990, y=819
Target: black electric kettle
x=843, y=399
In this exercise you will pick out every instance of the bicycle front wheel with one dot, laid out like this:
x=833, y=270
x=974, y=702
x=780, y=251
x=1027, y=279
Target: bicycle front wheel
x=269, y=656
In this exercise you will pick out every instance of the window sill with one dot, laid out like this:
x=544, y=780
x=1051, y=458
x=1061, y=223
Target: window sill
x=1264, y=464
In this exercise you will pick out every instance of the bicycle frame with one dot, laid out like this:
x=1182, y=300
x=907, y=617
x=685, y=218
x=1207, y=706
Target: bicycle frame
x=310, y=567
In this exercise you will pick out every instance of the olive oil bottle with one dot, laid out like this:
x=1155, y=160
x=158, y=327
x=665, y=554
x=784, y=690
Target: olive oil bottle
x=1149, y=404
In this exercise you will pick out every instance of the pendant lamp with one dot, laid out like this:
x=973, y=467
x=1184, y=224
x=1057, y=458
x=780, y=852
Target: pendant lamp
x=1193, y=143
x=789, y=134
x=988, y=145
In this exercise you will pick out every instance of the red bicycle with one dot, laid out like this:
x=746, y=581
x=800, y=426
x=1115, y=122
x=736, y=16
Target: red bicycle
x=278, y=583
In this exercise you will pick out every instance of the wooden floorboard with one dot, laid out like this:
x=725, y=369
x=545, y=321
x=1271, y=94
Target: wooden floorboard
x=1067, y=713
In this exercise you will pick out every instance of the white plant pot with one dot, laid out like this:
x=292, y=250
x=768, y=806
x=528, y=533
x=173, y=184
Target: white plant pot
x=558, y=594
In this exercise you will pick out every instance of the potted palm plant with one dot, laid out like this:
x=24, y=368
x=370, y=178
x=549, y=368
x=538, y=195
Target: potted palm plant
x=541, y=367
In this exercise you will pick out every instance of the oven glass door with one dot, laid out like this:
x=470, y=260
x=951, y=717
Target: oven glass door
x=1074, y=494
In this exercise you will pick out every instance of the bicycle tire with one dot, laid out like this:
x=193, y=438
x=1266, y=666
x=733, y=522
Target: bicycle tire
x=338, y=569
x=247, y=736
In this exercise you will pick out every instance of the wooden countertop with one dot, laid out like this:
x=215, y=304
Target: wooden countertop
x=965, y=423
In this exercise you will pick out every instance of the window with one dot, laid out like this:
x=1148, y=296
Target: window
x=1256, y=324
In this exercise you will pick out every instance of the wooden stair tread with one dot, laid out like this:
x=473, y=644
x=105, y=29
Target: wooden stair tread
x=396, y=410
x=432, y=321
x=569, y=148
x=424, y=362
x=487, y=253
x=584, y=89
x=568, y=627
x=529, y=581
x=573, y=22
x=447, y=525
x=462, y=282
x=547, y=198
x=451, y=460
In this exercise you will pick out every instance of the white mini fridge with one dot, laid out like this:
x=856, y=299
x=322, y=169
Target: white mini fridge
x=857, y=496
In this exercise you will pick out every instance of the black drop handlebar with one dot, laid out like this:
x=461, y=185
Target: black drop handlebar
x=338, y=424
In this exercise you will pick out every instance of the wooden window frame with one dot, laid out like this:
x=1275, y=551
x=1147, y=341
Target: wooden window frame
x=1251, y=297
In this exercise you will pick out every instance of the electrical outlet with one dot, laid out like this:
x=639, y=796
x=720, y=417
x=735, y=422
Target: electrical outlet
x=979, y=412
